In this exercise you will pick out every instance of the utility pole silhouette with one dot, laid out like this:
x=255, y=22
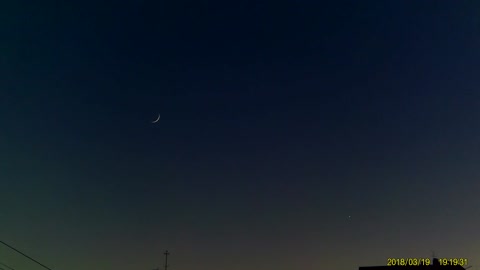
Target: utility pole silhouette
x=166, y=259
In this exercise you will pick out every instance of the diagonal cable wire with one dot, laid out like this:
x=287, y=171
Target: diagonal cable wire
x=6, y=266
x=25, y=255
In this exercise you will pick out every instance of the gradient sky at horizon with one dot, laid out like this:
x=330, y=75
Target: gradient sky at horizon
x=279, y=120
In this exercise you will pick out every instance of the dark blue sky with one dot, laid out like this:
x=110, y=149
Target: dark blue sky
x=279, y=120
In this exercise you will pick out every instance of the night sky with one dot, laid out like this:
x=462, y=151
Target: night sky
x=293, y=134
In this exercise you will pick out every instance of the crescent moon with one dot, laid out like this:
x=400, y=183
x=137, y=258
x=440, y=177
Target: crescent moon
x=158, y=118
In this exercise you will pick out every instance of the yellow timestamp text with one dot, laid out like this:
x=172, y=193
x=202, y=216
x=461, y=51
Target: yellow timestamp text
x=408, y=261
x=453, y=261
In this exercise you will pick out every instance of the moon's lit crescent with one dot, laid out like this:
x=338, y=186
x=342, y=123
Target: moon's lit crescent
x=158, y=118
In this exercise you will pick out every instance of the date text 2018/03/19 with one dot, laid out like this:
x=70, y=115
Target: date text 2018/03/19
x=425, y=261
x=408, y=261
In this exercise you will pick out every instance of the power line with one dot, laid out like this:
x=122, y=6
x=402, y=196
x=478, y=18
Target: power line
x=6, y=266
x=46, y=267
